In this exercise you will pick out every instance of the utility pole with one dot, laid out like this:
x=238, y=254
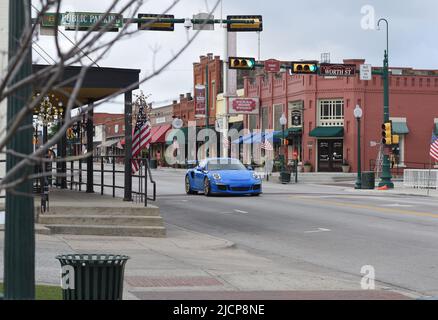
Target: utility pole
x=385, y=178
x=19, y=252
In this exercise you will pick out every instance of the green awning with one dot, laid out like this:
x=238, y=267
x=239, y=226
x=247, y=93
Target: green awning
x=400, y=128
x=327, y=132
x=288, y=132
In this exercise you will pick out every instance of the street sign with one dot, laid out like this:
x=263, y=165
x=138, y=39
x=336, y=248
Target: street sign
x=252, y=23
x=243, y=106
x=366, y=72
x=152, y=22
x=203, y=26
x=82, y=21
x=200, y=101
x=337, y=70
x=272, y=65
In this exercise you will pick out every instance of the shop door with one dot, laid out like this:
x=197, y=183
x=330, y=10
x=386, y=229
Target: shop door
x=330, y=155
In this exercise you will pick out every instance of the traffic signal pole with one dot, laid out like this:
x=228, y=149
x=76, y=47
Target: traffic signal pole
x=19, y=251
x=385, y=178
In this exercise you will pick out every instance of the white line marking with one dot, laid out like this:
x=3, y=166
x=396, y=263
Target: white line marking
x=397, y=205
x=240, y=211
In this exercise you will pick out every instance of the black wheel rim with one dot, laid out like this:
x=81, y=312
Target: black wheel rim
x=187, y=185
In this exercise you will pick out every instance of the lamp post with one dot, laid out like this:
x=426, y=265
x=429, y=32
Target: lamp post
x=358, y=115
x=385, y=179
x=285, y=178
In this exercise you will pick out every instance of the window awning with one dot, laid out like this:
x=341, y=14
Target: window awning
x=159, y=133
x=327, y=132
x=400, y=128
x=288, y=132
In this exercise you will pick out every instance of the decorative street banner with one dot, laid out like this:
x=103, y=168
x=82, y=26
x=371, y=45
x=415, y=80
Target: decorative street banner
x=337, y=70
x=243, y=106
x=83, y=20
x=200, y=101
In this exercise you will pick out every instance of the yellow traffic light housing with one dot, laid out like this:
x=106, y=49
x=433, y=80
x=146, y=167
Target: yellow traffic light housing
x=152, y=22
x=395, y=139
x=241, y=63
x=387, y=133
x=305, y=67
x=254, y=23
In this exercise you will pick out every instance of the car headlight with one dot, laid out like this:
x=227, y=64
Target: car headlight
x=255, y=176
x=216, y=176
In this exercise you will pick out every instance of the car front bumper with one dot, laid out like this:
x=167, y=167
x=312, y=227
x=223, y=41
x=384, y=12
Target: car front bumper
x=230, y=188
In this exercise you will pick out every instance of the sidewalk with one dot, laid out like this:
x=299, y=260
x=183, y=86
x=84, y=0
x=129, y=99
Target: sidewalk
x=399, y=189
x=192, y=265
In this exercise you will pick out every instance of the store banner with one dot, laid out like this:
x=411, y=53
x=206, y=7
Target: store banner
x=243, y=106
x=200, y=101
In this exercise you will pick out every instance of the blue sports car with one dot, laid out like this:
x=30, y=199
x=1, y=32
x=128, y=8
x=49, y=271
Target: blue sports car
x=222, y=176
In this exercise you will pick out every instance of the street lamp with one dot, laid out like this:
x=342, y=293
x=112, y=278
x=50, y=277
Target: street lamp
x=358, y=115
x=285, y=177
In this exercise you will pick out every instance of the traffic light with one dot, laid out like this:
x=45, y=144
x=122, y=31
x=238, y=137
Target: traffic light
x=241, y=63
x=395, y=139
x=152, y=22
x=305, y=67
x=387, y=133
x=254, y=23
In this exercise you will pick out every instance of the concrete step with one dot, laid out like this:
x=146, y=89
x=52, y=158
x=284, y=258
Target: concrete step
x=110, y=220
x=107, y=230
x=110, y=210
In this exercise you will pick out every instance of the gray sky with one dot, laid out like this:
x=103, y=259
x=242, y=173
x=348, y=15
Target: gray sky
x=292, y=30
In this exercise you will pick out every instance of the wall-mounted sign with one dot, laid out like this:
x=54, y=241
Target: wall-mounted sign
x=160, y=120
x=272, y=65
x=366, y=72
x=337, y=70
x=243, y=106
x=200, y=101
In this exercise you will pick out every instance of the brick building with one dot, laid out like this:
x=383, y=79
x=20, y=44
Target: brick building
x=321, y=126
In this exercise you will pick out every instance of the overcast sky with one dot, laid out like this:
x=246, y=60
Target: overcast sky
x=293, y=30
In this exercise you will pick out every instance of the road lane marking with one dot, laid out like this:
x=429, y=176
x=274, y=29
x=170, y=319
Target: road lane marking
x=397, y=205
x=360, y=206
x=240, y=211
x=318, y=231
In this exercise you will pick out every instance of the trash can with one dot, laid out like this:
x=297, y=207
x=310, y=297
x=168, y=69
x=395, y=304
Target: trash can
x=368, y=180
x=92, y=276
x=153, y=164
x=285, y=177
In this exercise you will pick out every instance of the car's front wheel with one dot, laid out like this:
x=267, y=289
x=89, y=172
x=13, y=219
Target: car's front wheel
x=188, y=186
x=207, y=187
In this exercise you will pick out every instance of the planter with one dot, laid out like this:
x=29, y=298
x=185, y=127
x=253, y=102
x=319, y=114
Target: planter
x=345, y=169
x=307, y=168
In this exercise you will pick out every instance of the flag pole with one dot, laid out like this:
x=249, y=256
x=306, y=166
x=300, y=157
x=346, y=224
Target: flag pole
x=428, y=178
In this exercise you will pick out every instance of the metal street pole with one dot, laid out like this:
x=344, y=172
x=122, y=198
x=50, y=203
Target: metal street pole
x=19, y=252
x=206, y=104
x=385, y=178
x=358, y=184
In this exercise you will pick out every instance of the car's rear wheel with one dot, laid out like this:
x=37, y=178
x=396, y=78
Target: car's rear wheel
x=188, y=186
x=207, y=187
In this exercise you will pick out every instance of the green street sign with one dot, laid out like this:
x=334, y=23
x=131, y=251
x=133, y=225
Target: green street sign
x=83, y=20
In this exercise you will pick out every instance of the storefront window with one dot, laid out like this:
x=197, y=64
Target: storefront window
x=331, y=113
x=278, y=111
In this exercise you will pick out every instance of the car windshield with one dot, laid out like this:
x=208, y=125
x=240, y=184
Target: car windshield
x=225, y=164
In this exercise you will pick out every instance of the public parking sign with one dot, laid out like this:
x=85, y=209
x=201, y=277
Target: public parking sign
x=337, y=70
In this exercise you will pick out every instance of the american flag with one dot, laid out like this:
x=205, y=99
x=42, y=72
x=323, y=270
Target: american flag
x=141, y=138
x=434, y=147
x=266, y=145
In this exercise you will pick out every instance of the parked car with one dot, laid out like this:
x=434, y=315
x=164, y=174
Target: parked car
x=222, y=176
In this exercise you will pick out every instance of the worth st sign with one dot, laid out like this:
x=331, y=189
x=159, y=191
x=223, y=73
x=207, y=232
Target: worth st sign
x=337, y=70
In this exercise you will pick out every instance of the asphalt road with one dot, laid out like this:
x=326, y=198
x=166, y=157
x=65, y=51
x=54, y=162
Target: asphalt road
x=319, y=228
x=325, y=229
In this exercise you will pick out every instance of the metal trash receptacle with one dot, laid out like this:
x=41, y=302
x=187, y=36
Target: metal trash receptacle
x=92, y=276
x=153, y=163
x=368, y=180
